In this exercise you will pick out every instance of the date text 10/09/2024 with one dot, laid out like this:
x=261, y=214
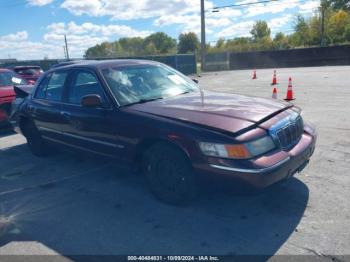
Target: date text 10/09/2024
x=173, y=258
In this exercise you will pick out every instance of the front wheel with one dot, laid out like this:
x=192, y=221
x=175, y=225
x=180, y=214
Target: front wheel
x=170, y=175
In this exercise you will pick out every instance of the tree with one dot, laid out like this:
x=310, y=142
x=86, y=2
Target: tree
x=338, y=21
x=220, y=43
x=104, y=49
x=163, y=43
x=260, y=30
x=347, y=33
x=301, y=34
x=339, y=4
x=188, y=43
x=314, y=31
x=280, y=41
x=239, y=44
x=131, y=46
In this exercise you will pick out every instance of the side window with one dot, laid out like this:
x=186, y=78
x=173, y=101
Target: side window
x=51, y=88
x=84, y=83
x=41, y=89
x=55, y=86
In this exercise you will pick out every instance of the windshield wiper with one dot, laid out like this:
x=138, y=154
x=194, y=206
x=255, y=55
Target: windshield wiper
x=144, y=100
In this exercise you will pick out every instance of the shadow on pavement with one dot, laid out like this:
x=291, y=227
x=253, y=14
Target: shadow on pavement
x=6, y=131
x=83, y=206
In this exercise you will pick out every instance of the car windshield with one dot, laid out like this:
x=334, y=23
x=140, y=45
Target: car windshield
x=137, y=84
x=29, y=71
x=10, y=79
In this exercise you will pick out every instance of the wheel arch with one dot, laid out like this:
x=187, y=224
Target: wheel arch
x=147, y=143
x=22, y=122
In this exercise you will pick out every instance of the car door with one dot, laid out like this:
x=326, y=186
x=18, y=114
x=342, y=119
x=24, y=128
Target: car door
x=91, y=129
x=45, y=106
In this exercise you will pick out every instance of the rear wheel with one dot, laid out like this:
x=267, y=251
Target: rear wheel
x=35, y=142
x=170, y=175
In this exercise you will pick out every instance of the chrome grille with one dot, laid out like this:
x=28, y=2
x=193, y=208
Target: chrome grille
x=290, y=134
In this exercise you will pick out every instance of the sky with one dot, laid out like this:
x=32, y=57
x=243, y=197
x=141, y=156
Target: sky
x=34, y=29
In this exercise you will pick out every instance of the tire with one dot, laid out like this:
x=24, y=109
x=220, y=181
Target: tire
x=35, y=142
x=170, y=175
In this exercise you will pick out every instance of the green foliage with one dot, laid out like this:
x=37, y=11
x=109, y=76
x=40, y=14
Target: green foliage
x=339, y=4
x=154, y=44
x=160, y=43
x=338, y=22
x=280, y=41
x=347, y=33
x=307, y=32
x=260, y=30
x=301, y=34
x=188, y=43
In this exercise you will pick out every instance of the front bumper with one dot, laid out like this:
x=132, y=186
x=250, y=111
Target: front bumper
x=264, y=171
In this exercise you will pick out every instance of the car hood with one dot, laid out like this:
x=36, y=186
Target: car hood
x=229, y=112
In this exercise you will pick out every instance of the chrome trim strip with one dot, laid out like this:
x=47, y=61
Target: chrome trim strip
x=82, y=138
x=94, y=140
x=74, y=146
x=49, y=130
x=251, y=171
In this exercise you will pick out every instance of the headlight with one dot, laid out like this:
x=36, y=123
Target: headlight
x=238, y=151
x=260, y=146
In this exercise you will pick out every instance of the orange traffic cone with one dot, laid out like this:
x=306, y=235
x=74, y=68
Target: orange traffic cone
x=274, y=79
x=274, y=93
x=254, y=74
x=289, y=91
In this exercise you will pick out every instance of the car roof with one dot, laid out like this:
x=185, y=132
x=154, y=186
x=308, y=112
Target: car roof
x=67, y=63
x=100, y=64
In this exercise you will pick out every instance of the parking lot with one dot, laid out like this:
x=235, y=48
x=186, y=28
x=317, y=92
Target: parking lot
x=77, y=205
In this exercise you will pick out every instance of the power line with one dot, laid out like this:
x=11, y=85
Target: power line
x=244, y=4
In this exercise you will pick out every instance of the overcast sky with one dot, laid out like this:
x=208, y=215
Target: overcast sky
x=32, y=29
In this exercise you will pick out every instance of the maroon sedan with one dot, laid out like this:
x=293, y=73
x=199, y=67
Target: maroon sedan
x=7, y=79
x=29, y=73
x=148, y=114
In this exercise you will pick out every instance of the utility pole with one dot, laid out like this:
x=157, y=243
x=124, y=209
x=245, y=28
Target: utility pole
x=65, y=41
x=323, y=10
x=322, y=25
x=203, y=46
x=64, y=51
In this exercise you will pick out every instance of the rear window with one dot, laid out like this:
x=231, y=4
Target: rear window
x=29, y=71
x=10, y=79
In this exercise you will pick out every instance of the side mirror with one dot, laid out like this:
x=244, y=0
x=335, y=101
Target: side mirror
x=91, y=101
x=195, y=80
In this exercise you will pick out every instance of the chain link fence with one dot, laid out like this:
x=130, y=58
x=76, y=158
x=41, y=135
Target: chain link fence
x=301, y=57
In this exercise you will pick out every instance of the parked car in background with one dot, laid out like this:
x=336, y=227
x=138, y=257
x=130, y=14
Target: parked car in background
x=30, y=73
x=8, y=79
x=150, y=115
